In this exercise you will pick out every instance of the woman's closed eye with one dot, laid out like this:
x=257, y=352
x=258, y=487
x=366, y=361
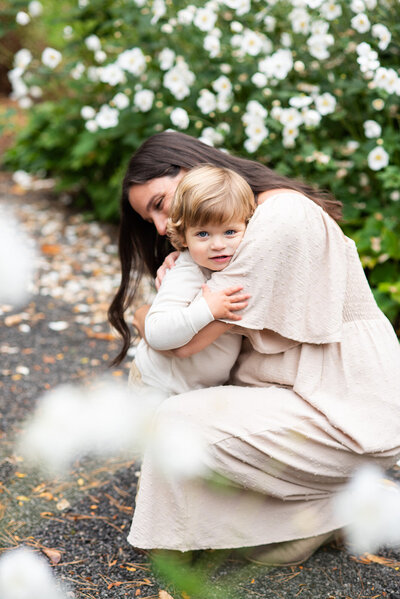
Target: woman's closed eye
x=158, y=204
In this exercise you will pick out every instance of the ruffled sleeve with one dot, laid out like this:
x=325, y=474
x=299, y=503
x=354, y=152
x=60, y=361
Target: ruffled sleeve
x=292, y=260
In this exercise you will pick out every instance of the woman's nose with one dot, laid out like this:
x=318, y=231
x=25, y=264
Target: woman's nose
x=160, y=223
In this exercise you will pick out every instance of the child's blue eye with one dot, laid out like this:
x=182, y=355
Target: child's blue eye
x=202, y=234
x=230, y=232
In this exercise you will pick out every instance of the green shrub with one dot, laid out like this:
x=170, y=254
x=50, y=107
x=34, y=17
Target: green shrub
x=310, y=87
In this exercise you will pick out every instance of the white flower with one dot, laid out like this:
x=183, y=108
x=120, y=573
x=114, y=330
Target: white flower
x=236, y=27
x=112, y=74
x=300, y=20
x=222, y=85
x=318, y=45
x=311, y=118
x=259, y=79
x=25, y=575
x=77, y=71
x=325, y=103
x=289, y=135
x=100, y=56
x=257, y=131
x=270, y=23
x=51, y=57
x=252, y=43
x=68, y=32
x=166, y=59
x=36, y=91
x=251, y=145
x=107, y=117
x=132, y=61
x=205, y=19
x=314, y=3
x=35, y=8
x=25, y=103
x=178, y=79
x=158, y=9
x=22, y=18
x=24, y=180
x=361, y=23
x=212, y=45
x=371, y=507
x=22, y=58
x=254, y=108
x=378, y=158
x=384, y=35
x=93, y=43
x=207, y=102
x=370, y=4
x=319, y=27
x=186, y=15
x=386, y=79
x=372, y=129
x=143, y=99
x=91, y=126
x=120, y=100
x=88, y=112
x=300, y=101
x=240, y=6
x=331, y=10
x=291, y=117
x=278, y=65
x=17, y=256
x=180, y=118
x=211, y=136
x=357, y=6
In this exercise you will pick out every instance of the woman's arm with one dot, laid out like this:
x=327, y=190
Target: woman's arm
x=202, y=339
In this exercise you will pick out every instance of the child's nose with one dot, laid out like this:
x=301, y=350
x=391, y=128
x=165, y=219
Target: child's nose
x=218, y=242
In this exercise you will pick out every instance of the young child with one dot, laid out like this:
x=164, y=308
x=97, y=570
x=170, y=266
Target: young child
x=208, y=218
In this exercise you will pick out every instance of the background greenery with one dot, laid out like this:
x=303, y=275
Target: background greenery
x=90, y=163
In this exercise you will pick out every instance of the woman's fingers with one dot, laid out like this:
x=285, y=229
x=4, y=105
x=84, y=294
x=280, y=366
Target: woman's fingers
x=168, y=263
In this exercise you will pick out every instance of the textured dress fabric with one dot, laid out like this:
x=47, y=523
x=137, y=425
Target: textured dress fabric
x=176, y=315
x=315, y=394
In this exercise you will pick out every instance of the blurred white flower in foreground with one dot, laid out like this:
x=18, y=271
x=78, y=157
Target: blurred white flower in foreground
x=109, y=419
x=25, y=575
x=70, y=422
x=180, y=118
x=22, y=18
x=371, y=506
x=17, y=261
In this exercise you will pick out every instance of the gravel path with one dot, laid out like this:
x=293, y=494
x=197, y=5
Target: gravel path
x=80, y=522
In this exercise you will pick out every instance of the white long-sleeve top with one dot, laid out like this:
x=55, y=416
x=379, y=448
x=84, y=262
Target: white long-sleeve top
x=176, y=315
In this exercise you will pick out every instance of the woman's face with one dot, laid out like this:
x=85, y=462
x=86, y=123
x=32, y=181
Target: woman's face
x=152, y=200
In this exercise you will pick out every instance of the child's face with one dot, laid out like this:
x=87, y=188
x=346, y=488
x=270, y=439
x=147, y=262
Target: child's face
x=213, y=246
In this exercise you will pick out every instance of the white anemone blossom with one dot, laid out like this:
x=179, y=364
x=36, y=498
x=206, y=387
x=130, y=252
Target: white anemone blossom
x=361, y=23
x=205, y=19
x=88, y=112
x=51, y=57
x=120, y=101
x=179, y=118
x=357, y=6
x=252, y=42
x=371, y=506
x=212, y=45
x=278, y=65
x=291, y=117
x=318, y=44
x=158, y=9
x=378, y=158
x=92, y=42
x=211, y=136
x=107, y=117
x=325, y=103
x=25, y=575
x=386, y=79
x=331, y=10
x=112, y=74
x=222, y=85
x=22, y=58
x=17, y=255
x=179, y=79
x=133, y=61
x=35, y=8
x=22, y=18
x=143, y=99
x=166, y=58
x=300, y=20
x=372, y=129
x=384, y=35
x=207, y=101
x=311, y=118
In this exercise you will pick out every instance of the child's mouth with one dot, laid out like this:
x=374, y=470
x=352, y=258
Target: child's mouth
x=221, y=259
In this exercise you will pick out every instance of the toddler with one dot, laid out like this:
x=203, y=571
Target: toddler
x=207, y=220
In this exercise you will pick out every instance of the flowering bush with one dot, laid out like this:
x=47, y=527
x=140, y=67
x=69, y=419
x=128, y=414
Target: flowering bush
x=309, y=87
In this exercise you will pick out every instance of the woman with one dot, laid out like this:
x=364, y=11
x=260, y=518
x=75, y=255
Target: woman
x=316, y=391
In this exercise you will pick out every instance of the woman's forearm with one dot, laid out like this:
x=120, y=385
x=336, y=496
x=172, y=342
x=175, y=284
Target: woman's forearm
x=202, y=339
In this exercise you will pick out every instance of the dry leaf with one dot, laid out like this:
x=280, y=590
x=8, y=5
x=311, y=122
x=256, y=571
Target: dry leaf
x=53, y=555
x=63, y=504
x=368, y=558
x=50, y=249
x=164, y=595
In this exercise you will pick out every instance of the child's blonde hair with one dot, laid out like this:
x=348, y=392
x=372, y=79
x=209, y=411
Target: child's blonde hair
x=208, y=194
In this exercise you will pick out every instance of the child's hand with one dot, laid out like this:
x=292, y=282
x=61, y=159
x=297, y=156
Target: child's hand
x=224, y=304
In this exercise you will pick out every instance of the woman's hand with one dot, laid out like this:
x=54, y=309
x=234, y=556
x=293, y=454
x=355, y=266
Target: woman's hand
x=139, y=318
x=169, y=262
x=224, y=304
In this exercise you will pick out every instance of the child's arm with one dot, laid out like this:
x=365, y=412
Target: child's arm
x=174, y=318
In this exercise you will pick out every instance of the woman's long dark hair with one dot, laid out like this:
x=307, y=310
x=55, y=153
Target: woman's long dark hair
x=141, y=249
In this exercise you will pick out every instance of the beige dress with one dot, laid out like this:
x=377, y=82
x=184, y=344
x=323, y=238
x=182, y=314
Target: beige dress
x=314, y=396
